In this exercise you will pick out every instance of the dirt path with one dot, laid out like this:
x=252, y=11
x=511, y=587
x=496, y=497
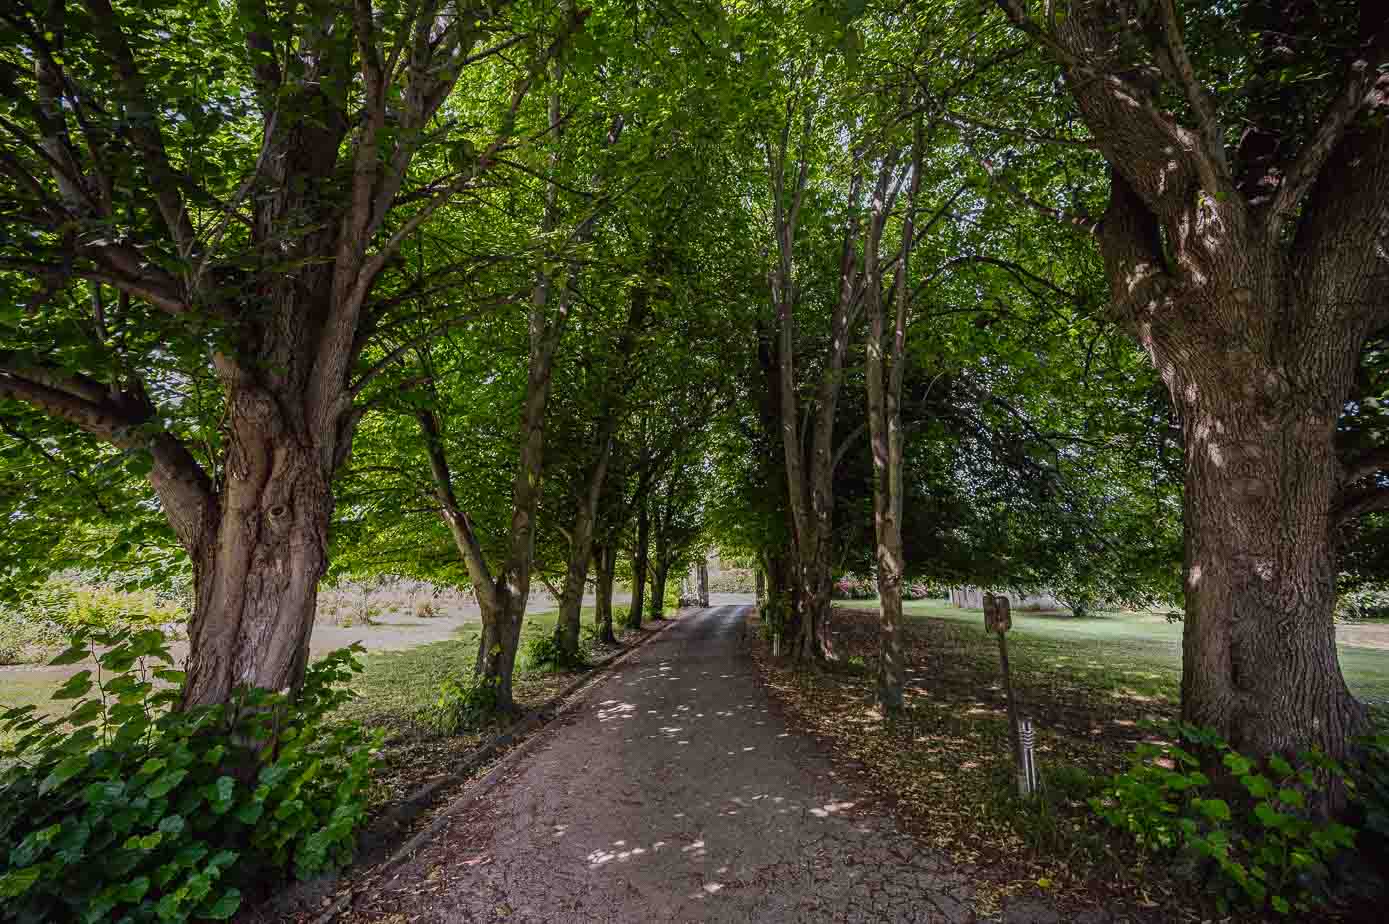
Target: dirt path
x=672, y=793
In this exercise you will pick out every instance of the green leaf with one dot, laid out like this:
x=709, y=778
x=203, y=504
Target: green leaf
x=1214, y=809
x=164, y=784
x=76, y=685
x=66, y=770
x=224, y=907
x=78, y=651
x=18, y=881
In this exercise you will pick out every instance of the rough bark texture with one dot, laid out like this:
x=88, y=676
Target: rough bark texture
x=605, y=564
x=884, y=377
x=1253, y=302
x=256, y=573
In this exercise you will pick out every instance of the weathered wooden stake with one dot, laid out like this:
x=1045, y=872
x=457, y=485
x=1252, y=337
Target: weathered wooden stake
x=998, y=619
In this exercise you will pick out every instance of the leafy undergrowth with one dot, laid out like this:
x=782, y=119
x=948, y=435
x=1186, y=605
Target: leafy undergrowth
x=945, y=763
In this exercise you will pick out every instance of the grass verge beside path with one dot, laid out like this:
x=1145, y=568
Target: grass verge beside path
x=397, y=685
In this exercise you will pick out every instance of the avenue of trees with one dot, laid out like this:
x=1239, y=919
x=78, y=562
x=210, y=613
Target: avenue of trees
x=1088, y=296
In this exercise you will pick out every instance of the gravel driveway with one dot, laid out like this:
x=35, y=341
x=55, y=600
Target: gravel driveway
x=673, y=793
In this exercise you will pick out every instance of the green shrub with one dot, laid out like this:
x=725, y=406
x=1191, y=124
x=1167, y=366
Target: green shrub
x=544, y=653
x=126, y=810
x=463, y=704
x=26, y=638
x=75, y=604
x=1255, y=835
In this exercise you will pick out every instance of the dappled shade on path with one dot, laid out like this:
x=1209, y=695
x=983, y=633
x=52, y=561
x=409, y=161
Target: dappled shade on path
x=673, y=793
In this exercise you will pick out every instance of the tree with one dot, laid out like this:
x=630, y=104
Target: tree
x=235, y=207
x=1249, y=266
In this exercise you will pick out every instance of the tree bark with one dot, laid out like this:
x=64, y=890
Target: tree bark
x=640, y=560
x=885, y=375
x=810, y=483
x=581, y=550
x=703, y=572
x=659, y=573
x=1259, y=641
x=256, y=574
x=605, y=564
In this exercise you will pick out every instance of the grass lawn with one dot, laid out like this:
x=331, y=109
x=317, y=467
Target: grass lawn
x=1089, y=684
x=1121, y=650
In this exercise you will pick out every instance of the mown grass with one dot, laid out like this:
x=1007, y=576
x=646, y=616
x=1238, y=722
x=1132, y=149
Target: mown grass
x=1119, y=650
x=396, y=685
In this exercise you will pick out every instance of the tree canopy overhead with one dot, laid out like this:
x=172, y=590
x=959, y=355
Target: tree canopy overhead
x=1088, y=297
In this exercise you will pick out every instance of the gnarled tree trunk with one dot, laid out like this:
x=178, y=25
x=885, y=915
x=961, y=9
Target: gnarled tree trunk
x=1259, y=642
x=256, y=572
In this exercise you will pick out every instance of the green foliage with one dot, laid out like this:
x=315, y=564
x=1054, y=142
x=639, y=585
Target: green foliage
x=544, y=653
x=49, y=612
x=77, y=604
x=463, y=705
x=1251, y=826
x=124, y=809
x=1371, y=774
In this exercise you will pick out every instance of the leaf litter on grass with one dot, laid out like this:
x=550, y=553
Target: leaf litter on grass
x=945, y=764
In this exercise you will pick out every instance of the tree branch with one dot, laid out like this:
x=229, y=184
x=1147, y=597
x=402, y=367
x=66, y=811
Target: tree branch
x=1356, y=92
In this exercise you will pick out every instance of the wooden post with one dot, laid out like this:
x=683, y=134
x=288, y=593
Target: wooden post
x=998, y=619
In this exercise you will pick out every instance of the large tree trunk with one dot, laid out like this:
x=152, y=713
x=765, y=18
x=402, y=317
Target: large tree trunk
x=1251, y=275
x=1259, y=405
x=256, y=576
x=1259, y=642
x=605, y=564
